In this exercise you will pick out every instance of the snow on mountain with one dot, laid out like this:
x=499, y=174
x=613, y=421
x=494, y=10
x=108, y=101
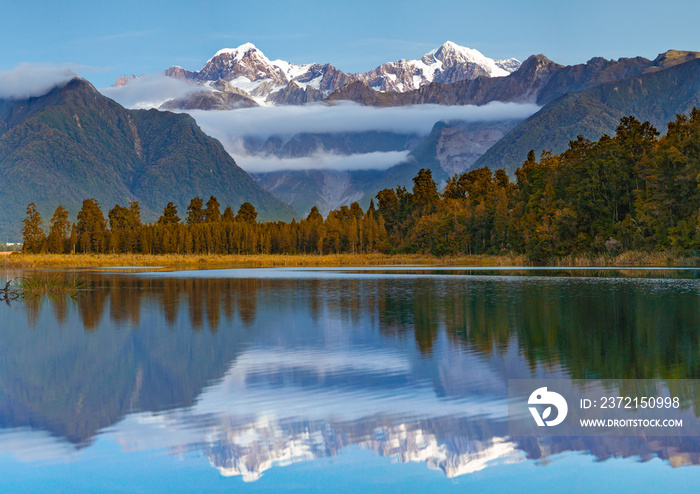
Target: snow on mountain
x=292, y=71
x=245, y=61
x=248, y=69
x=510, y=65
x=447, y=63
x=241, y=58
x=450, y=54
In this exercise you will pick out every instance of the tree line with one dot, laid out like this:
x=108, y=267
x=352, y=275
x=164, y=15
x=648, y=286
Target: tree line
x=633, y=191
x=204, y=230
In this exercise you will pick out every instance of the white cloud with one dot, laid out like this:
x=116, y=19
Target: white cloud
x=30, y=80
x=150, y=91
x=320, y=161
x=349, y=117
x=230, y=127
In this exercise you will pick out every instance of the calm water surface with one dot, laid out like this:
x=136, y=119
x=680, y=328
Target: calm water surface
x=335, y=380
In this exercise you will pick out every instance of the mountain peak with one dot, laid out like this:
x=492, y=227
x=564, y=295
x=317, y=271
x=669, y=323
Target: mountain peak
x=450, y=48
x=535, y=62
x=245, y=62
x=80, y=84
x=450, y=54
x=238, y=53
x=124, y=79
x=244, y=48
x=674, y=57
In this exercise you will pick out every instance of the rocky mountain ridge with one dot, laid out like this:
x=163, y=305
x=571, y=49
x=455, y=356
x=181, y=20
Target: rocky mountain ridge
x=576, y=102
x=538, y=79
x=247, y=68
x=459, y=76
x=657, y=94
x=452, y=147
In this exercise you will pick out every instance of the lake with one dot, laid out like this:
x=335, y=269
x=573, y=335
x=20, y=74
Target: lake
x=336, y=380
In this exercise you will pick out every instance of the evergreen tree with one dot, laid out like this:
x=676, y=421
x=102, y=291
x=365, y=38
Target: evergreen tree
x=211, y=211
x=311, y=231
x=371, y=208
x=33, y=236
x=388, y=206
x=91, y=227
x=59, y=231
x=169, y=216
x=247, y=213
x=125, y=225
x=228, y=216
x=314, y=215
x=195, y=214
x=356, y=211
x=424, y=188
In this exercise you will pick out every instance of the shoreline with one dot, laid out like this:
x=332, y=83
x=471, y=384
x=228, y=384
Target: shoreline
x=628, y=259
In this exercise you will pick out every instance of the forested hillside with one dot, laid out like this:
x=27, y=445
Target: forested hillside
x=656, y=96
x=74, y=143
x=633, y=191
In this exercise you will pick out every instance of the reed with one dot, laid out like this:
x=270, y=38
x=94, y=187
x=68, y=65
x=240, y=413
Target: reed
x=189, y=261
x=194, y=261
x=629, y=259
x=43, y=284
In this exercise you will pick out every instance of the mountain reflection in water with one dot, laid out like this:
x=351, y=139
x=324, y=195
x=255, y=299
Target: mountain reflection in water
x=261, y=371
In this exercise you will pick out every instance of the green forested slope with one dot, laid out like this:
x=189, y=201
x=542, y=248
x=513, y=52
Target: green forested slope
x=656, y=97
x=75, y=143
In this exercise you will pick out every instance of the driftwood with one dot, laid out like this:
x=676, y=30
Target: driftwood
x=7, y=293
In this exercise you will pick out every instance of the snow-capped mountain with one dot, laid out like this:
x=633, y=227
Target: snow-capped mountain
x=247, y=64
x=248, y=69
x=448, y=63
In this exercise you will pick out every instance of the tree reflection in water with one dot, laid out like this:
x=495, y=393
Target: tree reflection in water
x=145, y=344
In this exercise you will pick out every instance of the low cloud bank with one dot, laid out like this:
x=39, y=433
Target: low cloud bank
x=350, y=117
x=230, y=127
x=321, y=161
x=150, y=91
x=31, y=80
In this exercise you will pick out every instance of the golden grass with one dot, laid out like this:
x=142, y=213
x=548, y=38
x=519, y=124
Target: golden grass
x=629, y=259
x=20, y=260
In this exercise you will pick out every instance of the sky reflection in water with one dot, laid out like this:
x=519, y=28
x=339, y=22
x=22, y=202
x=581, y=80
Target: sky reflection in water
x=288, y=378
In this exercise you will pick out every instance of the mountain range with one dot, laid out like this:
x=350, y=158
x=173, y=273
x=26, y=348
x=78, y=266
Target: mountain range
x=267, y=82
x=655, y=95
x=448, y=75
x=74, y=143
x=585, y=99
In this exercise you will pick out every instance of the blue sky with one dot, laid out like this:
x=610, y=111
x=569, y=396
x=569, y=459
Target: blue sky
x=130, y=36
